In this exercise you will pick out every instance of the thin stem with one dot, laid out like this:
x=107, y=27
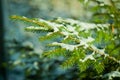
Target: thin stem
x=102, y=53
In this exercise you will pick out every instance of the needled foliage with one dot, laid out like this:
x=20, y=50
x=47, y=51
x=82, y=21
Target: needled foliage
x=88, y=46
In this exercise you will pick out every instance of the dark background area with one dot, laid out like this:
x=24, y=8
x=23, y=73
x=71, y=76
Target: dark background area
x=2, y=53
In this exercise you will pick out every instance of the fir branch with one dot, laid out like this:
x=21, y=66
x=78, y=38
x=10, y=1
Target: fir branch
x=73, y=31
x=84, y=65
x=50, y=36
x=83, y=26
x=71, y=39
x=102, y=53
x=35, y=22
x=69, y=62
x=99, y=67
x=55, y=52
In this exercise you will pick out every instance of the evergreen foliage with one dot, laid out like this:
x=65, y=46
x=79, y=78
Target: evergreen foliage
x=88, y=46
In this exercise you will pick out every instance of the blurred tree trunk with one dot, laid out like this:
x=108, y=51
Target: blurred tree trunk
x=2, y=54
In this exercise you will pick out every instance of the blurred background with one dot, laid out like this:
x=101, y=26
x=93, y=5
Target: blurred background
x=20, y=50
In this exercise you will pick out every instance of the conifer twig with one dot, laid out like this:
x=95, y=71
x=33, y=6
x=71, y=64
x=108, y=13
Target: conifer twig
x=102, y=53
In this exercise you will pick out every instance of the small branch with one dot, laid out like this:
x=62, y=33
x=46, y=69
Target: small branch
x=36, y=22
x=102, y=53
